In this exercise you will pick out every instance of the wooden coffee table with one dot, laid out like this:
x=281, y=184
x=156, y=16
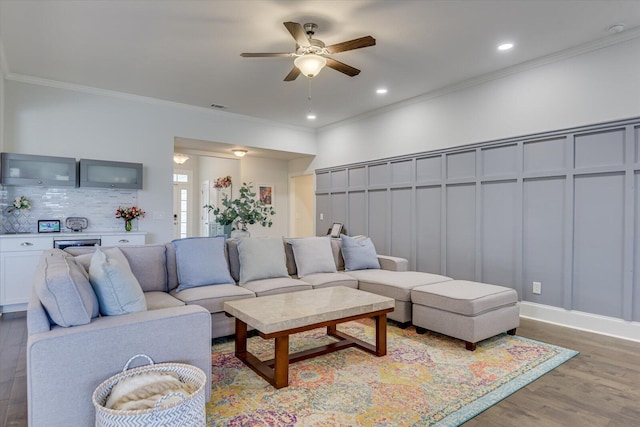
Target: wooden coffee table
x=278, y=316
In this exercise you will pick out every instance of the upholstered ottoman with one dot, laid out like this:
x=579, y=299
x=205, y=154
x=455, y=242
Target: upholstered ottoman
x=469, y=311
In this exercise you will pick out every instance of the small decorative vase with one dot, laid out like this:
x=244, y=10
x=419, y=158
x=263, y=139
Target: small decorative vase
x=127, y=225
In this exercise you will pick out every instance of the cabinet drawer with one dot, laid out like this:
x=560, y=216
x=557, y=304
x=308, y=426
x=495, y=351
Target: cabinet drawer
x=123, y=239
x=26, y=243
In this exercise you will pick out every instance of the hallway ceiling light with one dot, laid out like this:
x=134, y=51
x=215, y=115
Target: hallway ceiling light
x=180, y=158
x=239, y=152
x=505, y=46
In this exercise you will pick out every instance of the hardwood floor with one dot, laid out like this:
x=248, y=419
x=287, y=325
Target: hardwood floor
x=599, y=387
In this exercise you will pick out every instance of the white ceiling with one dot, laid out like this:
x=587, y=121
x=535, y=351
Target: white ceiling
x=189, y=51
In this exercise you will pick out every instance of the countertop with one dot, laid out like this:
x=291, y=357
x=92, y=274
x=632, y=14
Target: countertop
x=70, y=234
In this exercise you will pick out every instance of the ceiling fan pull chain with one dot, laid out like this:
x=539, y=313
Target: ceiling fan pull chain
x=309, y=96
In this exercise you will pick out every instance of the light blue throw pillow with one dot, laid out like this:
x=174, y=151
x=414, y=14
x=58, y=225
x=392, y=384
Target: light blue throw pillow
x=358, y=254
x=201, y=261
x=261, y=258
x=116, y=287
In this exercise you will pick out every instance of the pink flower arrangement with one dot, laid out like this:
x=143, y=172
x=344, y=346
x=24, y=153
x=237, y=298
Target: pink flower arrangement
x=129, y=213
x=223, y=182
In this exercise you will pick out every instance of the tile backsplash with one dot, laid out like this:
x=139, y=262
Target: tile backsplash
x=97, y=205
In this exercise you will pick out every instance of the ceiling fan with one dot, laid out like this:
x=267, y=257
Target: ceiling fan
x=312, y=54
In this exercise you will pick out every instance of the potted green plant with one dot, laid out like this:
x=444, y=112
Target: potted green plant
x=240, y=212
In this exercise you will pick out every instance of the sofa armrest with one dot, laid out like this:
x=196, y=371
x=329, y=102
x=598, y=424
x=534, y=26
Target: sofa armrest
x=66, y=365
x=393, y=263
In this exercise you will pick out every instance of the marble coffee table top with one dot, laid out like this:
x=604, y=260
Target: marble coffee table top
x=274, y=313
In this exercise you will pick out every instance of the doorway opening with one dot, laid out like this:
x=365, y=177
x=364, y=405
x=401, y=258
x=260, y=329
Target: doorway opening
x=182, y=183
x=302, y=196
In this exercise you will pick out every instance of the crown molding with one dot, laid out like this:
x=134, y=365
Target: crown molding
x=145, y=99
x=496, y=75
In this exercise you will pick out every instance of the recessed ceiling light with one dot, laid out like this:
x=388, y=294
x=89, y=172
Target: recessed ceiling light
x=381, y=91
x=311, y=116
x=505, y=46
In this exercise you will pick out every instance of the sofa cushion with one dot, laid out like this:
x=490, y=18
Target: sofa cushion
x=313, y=255
x=234, y=258
x=290, y=258
x=156, y=300
x=261, y=258
x=394, y=284
x=325, y=280
x=147, y=262
x=213, y=297
x=201, y=261
x=116, y=287
x=63, y=287
x=358, y=254
x=464, y=297
x=275, y=286
x=336, y=248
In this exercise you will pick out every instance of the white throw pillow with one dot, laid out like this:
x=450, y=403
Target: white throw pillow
x=313, y=255
x=116, y=287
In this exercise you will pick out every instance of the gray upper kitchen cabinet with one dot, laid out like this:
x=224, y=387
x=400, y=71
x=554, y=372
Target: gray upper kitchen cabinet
x=27, y=169
x=106, y=174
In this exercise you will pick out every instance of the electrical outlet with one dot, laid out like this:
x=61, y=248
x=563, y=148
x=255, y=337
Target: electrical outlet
x=321, y=216
x=537, y=288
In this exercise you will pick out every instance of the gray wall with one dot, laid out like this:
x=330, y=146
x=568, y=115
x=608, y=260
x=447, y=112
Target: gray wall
x=561, y=208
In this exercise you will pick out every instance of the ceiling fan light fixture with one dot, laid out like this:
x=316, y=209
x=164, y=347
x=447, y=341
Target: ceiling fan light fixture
x=239, y=152
x=311, y=116
x=310, y=64
x=180, y=158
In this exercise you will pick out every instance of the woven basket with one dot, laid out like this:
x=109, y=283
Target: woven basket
x=188, y=412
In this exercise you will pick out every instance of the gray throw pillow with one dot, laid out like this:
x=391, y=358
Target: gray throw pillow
x=63, y=288
x=201, y=261
x=115, y=285
x=358, y=254
x=261, y=258
x=313, y=255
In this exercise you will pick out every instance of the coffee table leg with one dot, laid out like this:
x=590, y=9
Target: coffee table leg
x=281, y=362
x=381, y=334
x=241, y=339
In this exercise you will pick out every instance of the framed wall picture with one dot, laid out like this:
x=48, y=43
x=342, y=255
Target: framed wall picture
x=265, y=193
x=336, y=229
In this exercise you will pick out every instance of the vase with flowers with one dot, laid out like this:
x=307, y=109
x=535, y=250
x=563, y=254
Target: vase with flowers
x=128, y=214
x=243, y=211
x=18, y=221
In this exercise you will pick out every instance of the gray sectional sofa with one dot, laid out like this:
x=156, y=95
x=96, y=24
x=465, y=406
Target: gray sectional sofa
x=66, y=364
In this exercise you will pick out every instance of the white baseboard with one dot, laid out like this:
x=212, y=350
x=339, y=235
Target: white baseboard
x=603, y=325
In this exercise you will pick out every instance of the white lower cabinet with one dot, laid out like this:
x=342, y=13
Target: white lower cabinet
x=19, y=257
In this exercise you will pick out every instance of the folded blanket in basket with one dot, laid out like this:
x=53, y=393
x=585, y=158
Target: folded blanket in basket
x=142, y=391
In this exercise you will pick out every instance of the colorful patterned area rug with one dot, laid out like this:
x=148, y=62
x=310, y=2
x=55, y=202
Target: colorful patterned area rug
x=425, y=380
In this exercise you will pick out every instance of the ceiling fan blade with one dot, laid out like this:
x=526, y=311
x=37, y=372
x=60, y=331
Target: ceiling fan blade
x=293, y=74
x=342, y=67
x=266, y=55
x=352, y=44
x=297, y=32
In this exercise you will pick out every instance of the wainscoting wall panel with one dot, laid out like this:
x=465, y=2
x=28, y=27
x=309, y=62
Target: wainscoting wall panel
x=429, y=229
x=499, y=250
x=461, y=231
x=561, y=208
x=544, y=210
x=598, y=244
x=401, y=213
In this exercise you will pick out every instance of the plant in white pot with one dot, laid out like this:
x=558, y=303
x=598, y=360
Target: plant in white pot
x=243, y=211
